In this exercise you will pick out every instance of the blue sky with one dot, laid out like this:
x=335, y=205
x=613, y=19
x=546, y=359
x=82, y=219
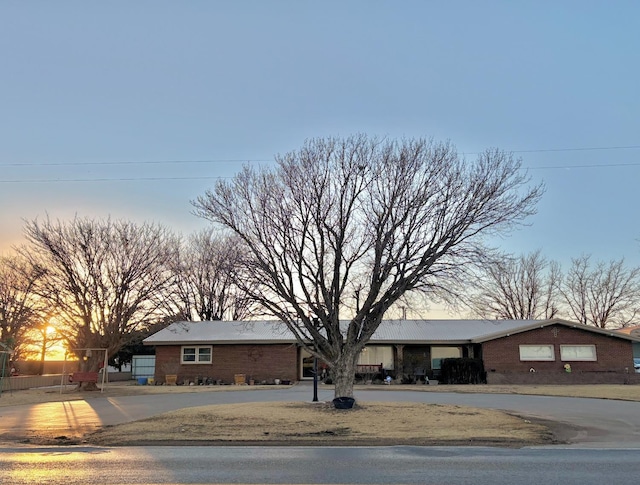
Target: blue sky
x=94, y=95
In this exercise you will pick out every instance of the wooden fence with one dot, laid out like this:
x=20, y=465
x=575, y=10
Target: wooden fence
x=19, y=383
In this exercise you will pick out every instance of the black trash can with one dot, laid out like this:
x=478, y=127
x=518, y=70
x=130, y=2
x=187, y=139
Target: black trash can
x=343, y=402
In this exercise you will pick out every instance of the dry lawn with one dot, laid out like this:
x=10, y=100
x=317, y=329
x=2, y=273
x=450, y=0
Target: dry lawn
x=600, y=391
x=321, y=424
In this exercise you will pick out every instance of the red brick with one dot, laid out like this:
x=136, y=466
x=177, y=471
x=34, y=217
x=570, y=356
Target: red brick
x=502, y=358
x=258, y=362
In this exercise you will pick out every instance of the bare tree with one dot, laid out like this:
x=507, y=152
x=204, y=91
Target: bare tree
x=39, y=340
x=378, y=216
x=20, y=309
x=604, y=295
x=205, y=273
x=517, y=288
x=103, y=277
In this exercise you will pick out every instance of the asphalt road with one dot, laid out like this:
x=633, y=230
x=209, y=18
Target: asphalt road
x=401, y=465
x=596, y=422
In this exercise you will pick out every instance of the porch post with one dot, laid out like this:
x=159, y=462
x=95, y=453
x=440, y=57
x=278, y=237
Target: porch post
x=399, y=360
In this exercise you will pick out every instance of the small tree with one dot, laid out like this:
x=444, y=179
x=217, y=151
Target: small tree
x=205, y=273
x=603, y=295
x=522, y=288
x=379, y=216
x=20, y=308
x=105, y=278
x=40, y=340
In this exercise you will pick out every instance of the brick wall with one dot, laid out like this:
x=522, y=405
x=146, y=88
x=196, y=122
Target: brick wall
x=258, y=362
x=563, y=378
x=614, y=358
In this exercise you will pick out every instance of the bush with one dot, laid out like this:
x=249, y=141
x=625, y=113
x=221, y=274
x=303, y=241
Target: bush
x=463, y=371
x=406, y=379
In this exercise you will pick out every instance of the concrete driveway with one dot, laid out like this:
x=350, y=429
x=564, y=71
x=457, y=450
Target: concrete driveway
x=593, y=422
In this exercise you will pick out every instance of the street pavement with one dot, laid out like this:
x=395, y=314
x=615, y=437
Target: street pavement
x=594, y=423
x=317, y=465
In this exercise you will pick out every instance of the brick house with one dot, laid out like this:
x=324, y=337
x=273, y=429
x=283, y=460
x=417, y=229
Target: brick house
x=513, y=351
x=559, y=352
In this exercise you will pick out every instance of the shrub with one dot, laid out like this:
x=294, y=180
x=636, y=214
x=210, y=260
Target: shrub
x=463, y=371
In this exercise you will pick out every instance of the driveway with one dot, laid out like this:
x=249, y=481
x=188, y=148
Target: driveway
x=591, y=422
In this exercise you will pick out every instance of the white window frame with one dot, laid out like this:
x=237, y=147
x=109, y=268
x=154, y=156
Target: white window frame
x=536, y=353
x=197, y=355
x=565, y=349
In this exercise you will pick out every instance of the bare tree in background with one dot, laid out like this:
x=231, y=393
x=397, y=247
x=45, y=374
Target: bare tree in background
x=518, y=288
x=399, y=216
x=603, y=295
x=39, y=340
x=103, y=277
x=206, y=272
x=20, y=308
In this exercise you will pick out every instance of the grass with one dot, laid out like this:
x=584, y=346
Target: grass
x=294, y=423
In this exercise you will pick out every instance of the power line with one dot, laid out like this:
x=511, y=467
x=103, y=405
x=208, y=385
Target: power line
x=238, y=160
x=582, y=149
x=595, y=165
x=121, y=179
x=132, y=162
x=151, y=179
x=541, y=150
x=230, y=160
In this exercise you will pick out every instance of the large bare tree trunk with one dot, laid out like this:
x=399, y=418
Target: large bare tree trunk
x=344, y=374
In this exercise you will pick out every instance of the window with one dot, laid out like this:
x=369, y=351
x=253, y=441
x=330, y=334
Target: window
x=376, y=355
x=578, y=352
x=196, y=355
x=537, y=352
x=438, y=354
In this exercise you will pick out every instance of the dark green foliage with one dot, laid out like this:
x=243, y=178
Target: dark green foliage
x=462, y=371
x=134, y=346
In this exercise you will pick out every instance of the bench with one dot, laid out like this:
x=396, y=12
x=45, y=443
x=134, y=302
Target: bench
x=368, y=372
x=79, y=377
x=368, y=368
